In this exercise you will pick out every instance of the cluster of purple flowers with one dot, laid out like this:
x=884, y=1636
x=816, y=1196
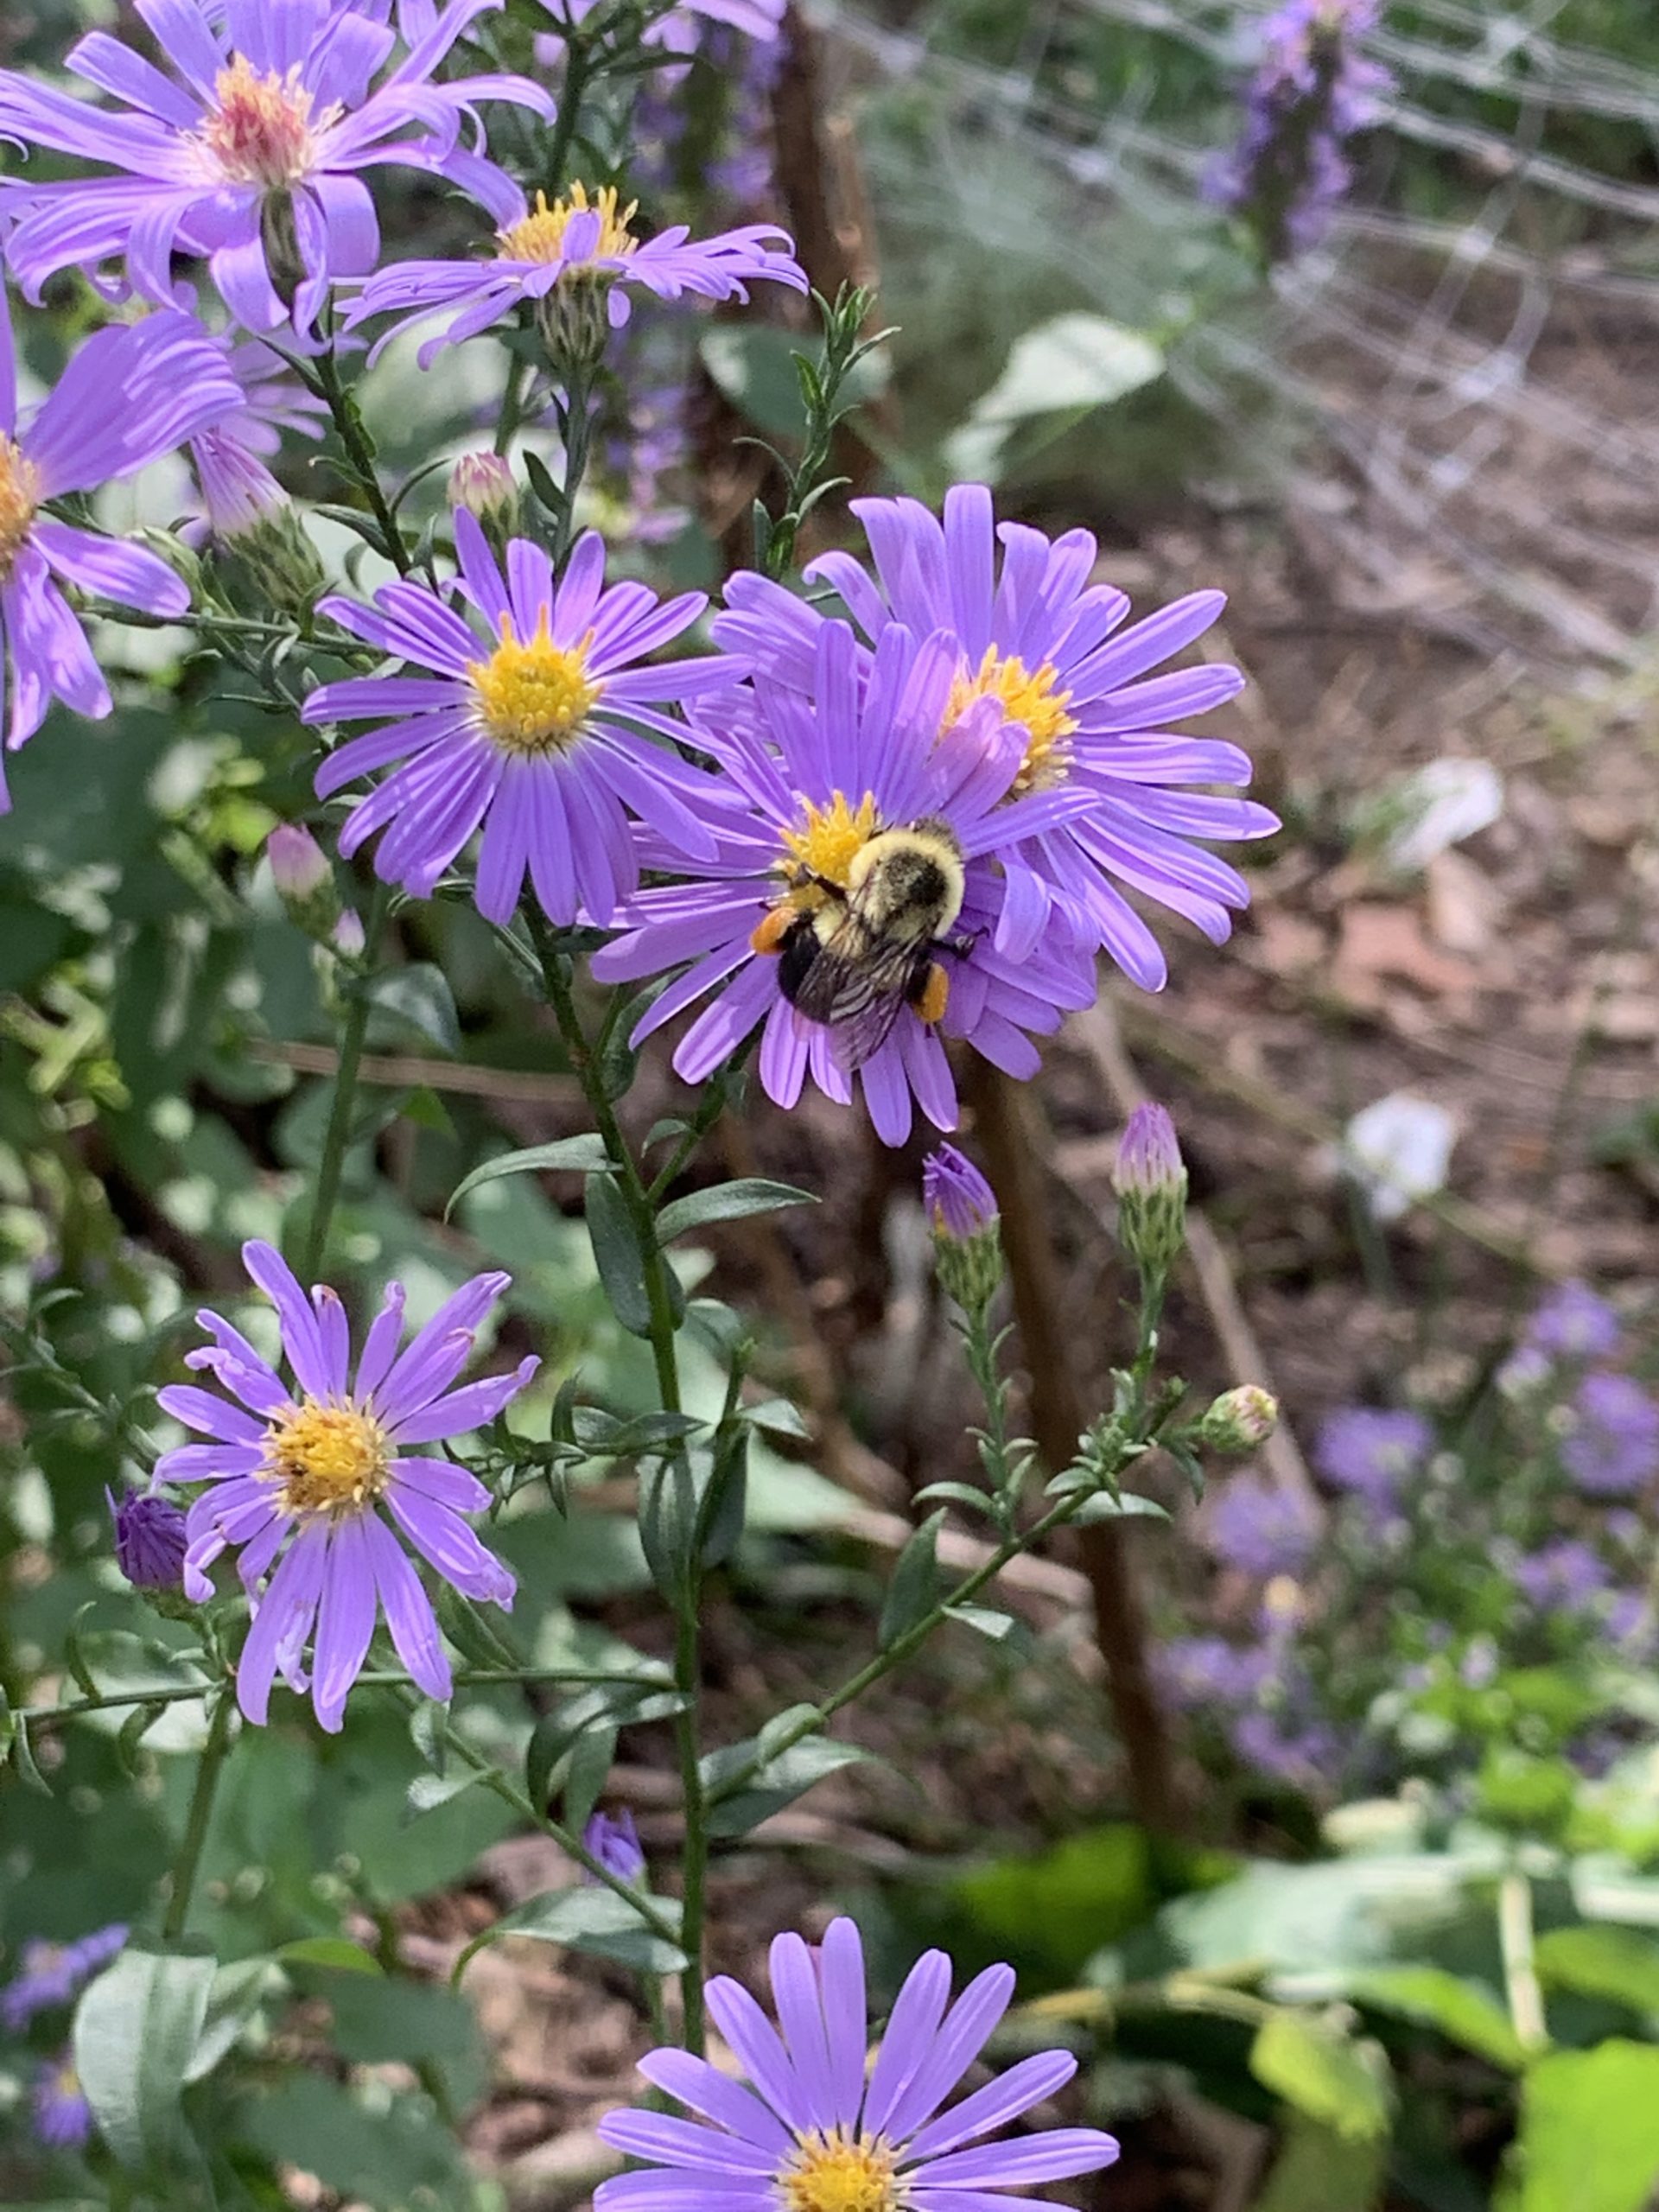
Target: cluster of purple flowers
x=50, y=1977
x=1311, y=91
x=1609, y=1423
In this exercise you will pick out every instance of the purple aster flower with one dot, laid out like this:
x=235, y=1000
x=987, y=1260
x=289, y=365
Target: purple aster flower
x=62, y=2117
x=1311, y=91
x=1304, y=1755
x=149, y=1540
x=555, y=256
x=1037, y=641
x=1613, y=1450
x=529, y=729
x=1561, y=1577
x=1199, y=1672
x=1261, y=1528
x=237, y=489
x=54, y=1975
x=760, y=19
x=1148, y=1163
x=127, y=397
x=1572, y=1323
x=834, y=781
x=318, y=1463
x=1372, y=1453
x=613, y=1838
x=956, y=1197
x=250, y=152
x=812, y=2134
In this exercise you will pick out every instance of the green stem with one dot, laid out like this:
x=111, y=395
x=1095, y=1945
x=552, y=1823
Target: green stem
x=1515, y=1937
x=513, y=404
x=710, y=1106
x=578, y=68
x=200, y=1817
x=902, y=1647
x=359, y=454
x=687, y=1658
x=578, y=444
x=337, y=1136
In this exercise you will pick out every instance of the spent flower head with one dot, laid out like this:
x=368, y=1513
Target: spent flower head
x=309, y=1483
x=809, y=2131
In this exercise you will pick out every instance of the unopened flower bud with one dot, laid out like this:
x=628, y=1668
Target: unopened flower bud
x=149, y=1540
x=262, y=550
x=483, y=484
x=350, y=938
x=1150, y=1180
x=961, y=1206
x=614, y=1841
x=304, y=880
x=1240, y=1421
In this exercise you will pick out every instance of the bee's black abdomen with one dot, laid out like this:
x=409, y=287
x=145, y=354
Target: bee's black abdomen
x=800, y=948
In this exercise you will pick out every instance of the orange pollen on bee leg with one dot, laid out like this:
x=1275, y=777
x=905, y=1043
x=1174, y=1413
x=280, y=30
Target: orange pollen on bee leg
x=773, y=926
x=1027, y=696
x=261, y=129
x=935, y=996
x=20, y=482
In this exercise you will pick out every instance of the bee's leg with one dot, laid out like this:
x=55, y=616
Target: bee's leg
x=962, y=947
x=933, y=994
x=773, y=926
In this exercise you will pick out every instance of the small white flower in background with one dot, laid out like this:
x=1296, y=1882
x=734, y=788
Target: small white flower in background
x=1398, y=1151
x=1438, y=807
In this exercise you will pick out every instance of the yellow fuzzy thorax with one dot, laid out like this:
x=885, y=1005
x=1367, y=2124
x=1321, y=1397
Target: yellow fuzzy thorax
x=329, y=1458
x=1027, y=696
x=533, y=696
x=261, y=129
x=540, y=235
x=19, y=483
x=838, y=2173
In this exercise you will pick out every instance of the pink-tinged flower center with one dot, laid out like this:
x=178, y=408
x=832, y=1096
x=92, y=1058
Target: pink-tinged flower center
x=20, y=495
x=540, y=235
x=534, y=696
x=329, y=1458
x=260, y=130
x=1028, y=696
x=840, y=2173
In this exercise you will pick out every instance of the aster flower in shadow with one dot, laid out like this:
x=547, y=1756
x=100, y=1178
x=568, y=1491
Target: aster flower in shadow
x=1612, y=1450
x=319, y=1463
x=534, y=730
x=574, y=261
x=1374, y=1452
x=1045, y=646
x=127, y=397
x=805, y=2130
x=251, y=151
x=54, y=1975
x=58, y=2107
x=822, y=776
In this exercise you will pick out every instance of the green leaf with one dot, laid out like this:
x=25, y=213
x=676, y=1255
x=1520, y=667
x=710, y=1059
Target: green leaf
x=913, y=1590
x=337, y=1952
x=136, y=2034
x=583, y=1155
x=1067, y=366
x=593, y=1920
x=1102, y=1506
x=734, y=1201
x=585, y=1777
x=1318, y=2170
x=1589, y=2134
x=983, y=1621
x=421, y=996
x=1601, y=1961
x=237, y=1992
x=776, y=1781
x=389, y=2159
x=617, y=1255
x=1328, y=2076
x=1464, y=2011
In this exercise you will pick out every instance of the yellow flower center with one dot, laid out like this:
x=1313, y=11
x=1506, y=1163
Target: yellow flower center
x=540, y=235
x=535, y=697
x=260, y=130
x=20, y=495
x=834, y=2173
x=1026, y=696
x=826, y=845
x=329, y=1458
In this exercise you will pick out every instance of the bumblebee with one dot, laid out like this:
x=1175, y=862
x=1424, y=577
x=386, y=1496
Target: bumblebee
x=859, y=954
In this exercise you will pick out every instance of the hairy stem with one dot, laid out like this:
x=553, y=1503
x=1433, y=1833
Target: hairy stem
x=199, y=1816
x=361, y=456
x=337, y=1136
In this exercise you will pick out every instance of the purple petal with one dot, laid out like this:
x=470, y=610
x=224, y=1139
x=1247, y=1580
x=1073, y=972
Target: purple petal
x=346, y=1619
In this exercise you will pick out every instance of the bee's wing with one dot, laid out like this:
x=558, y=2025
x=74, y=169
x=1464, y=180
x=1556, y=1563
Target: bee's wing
x=857, y=988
